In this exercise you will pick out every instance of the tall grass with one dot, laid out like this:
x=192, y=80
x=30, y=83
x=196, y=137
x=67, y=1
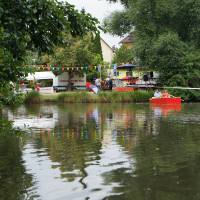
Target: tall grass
x=105, y=97
x=77, y=97
x=32, y=97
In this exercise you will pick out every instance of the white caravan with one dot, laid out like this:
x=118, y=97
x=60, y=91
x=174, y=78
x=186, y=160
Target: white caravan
x=56, y=83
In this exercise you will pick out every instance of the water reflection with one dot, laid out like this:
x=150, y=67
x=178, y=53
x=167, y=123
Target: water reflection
x=110, y=151
x=163, y=110
x=15, y=181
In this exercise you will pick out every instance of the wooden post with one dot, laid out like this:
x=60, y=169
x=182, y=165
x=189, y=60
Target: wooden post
x=116, y=78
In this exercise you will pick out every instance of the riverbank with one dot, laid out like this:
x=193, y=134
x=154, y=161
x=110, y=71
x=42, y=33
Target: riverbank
x=89, y=97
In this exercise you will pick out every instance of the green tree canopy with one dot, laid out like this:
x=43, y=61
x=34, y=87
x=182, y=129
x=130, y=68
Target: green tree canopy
x=123, y=54
x=167, y=34
x=36, y=25
x=97, y=45
x=77, y=52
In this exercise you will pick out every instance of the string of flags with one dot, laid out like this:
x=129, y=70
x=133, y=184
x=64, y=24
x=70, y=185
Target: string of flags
x=61, y=67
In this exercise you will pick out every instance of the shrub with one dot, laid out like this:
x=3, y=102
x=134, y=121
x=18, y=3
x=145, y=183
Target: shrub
x=32, y=97
x=187, y=95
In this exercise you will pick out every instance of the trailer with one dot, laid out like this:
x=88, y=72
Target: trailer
x=50, y=83
x=60, y=82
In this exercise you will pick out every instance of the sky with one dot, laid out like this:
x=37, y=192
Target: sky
x=100, y=9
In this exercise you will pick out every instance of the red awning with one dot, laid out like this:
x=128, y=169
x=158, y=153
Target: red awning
x=129, y=78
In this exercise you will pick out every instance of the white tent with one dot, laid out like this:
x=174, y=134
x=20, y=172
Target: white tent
x=40, y=75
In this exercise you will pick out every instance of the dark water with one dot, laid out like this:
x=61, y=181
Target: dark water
x=130, y=151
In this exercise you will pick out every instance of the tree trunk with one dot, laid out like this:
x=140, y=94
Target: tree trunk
x=70, y=75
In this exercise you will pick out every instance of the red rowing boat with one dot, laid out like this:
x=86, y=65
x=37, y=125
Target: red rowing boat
x=176, y=100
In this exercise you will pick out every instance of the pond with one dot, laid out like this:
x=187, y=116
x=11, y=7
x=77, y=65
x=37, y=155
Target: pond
x=102, y=151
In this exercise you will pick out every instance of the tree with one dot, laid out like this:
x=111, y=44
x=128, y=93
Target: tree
x=167, y=35
x=77, y=52
x=118, y=23
x=92, y=74
x=35, y=25
x=97, y=45
x=123, y=54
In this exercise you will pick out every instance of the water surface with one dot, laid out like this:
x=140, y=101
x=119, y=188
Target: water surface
x=102, y=151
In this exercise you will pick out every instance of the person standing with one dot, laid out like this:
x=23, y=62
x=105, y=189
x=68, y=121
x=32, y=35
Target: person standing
x=37, y=87
x=110, y=84
x=98, y=83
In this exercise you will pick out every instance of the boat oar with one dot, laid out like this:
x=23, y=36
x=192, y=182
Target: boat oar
x=175, y=97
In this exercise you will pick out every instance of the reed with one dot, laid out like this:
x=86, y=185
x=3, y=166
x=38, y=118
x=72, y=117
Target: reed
x=125, y=97
x=77, y=97
x=32, y=97
x=105, y=97
x=142, y=95
x=49, y=98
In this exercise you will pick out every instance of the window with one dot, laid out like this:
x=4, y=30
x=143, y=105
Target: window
x=116, y=73
x=129, y=74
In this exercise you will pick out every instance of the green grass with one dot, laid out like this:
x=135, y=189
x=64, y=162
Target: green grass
x=49, y=98
x=77, y=97
x=32, y=97
x=105, y=97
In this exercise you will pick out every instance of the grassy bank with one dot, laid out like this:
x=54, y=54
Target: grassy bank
x=86, y=97
x=34, y=97
x=103, y=97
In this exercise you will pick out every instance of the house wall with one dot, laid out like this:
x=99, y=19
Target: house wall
x=106, y=51
x=128, y=45
x=135, y=73
x=122, y=73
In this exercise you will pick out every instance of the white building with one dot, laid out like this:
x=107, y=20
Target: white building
x=107, y=51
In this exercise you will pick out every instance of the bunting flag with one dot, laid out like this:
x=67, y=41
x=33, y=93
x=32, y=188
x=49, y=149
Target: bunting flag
x=114, y=70
x=60, y=66
x=99, y=68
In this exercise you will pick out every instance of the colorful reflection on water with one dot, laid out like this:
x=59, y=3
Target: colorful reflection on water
x=163, y=110
x=102, y=151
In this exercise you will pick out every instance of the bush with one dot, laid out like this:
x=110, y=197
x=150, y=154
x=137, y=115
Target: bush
x=187, y=95
x=32, y=97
